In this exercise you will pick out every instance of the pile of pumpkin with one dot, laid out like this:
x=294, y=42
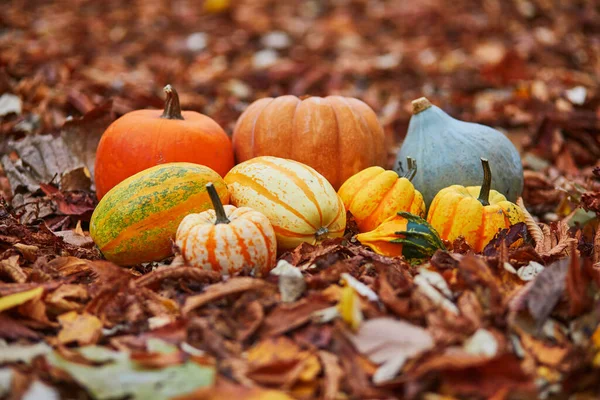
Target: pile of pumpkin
x=170, y=177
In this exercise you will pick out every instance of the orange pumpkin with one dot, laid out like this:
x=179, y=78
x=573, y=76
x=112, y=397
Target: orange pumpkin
x=476, y=213
x=227, y=238
x=374, y=194
x=144, y=138
x=337, y=136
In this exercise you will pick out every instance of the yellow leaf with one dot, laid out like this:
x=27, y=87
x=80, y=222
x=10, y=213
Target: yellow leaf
x=81, y=328
x=16, y=299
x=216, y=6
x=349, y=307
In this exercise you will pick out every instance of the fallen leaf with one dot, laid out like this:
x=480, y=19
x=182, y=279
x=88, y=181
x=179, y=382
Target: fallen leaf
x=349, y=307
x=390, y=343
x=333, y=375
x=286, y=317
x=17, y=299
x=81, y=328
x=279, y=361
x=291, y=281
x=10, y=104
x=22, y=353
x=10, y=267
x=231, y=391
x=14, y=329
x=133, y=382
x=219, y=290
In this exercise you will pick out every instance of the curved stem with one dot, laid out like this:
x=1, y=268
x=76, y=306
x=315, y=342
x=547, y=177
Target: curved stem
x=218, y=206
x=321, y=233
x=412, y=168
x=172, y=106
x=484, y=192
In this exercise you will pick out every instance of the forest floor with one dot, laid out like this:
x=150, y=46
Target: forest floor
x=519, y=320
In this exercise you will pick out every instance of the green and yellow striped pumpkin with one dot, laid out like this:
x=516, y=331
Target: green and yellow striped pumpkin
x=136, y=220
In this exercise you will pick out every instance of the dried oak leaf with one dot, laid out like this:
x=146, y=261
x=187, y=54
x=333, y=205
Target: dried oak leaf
x=279, y=361
x=541, y=295
x=463, y=374
x=13, y=329
x=333, y=375
x=390, y=343
x=219, y=290
x=11, y=269
x=288, y=316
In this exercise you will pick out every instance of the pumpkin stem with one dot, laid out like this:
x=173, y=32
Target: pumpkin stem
x=419, y=105
x=321, y=233
x=484, y=192
x=217, y=205
x=412, y=168
x=172, y=106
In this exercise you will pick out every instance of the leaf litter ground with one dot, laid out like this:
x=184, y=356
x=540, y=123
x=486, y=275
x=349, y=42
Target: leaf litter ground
x=519, y=320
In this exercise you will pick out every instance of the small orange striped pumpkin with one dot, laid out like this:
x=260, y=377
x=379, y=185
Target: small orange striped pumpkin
x=300, y=203
x=227, y=239
x=374, y=194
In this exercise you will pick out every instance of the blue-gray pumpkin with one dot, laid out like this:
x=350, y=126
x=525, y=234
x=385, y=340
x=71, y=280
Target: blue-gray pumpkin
x=450, y=151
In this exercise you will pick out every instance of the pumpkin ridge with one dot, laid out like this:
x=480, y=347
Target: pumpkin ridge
x=263, y=192
x=341, y=211
x=365, y=127
x=448, y=227
x=287, y=233
x=253, y=133
x=270, y=254
x=338, y=141
x=480, y=230
x=211, y=247
x=298, y=182
x=241, y=241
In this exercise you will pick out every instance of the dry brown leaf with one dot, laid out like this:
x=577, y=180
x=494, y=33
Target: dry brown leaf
x=390, y=343
x=68, y=297
x=333, y=375
x=10, y=268
x=279, y=361
x=223, y=289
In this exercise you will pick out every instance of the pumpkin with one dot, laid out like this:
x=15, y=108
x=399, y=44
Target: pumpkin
x=227, y=239
x=301, y=205
x=144, y=138
x=374, y=194
x=476, y=212
x=449, y=150
x=136, y=220
x=403, y=234
x=337, y=136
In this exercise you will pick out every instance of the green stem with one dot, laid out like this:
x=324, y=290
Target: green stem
x=412, y=168
x=484, y=192
x=172, y=106
x=217, y=205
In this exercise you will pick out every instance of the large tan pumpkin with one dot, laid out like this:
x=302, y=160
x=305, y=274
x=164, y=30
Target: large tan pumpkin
x=337, y=136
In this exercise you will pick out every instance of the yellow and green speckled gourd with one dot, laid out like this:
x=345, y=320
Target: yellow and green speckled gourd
x=136, y=220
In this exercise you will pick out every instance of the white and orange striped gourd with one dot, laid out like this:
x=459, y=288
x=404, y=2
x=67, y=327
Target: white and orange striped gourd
x=300, y=203
x=227, y=239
